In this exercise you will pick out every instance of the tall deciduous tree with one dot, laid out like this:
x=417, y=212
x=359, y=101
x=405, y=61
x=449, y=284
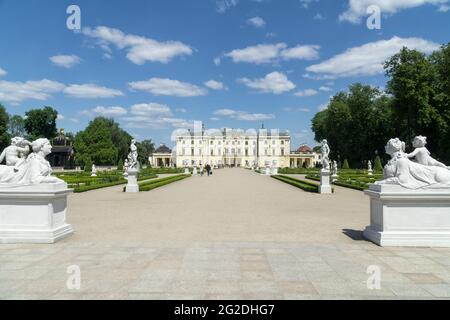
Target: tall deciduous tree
x=4, y=136
x=103, y=142
x=41, y=123
x=16, y=127
x=145, y=149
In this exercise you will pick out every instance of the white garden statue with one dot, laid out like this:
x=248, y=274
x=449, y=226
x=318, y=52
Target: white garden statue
x=93, y=171
x=369, y=168
x=32, y=170
x=132, y=169
x=411, y=206
x=325, y=155
x=16, y=153
x=33, y=203
x=422, y=155
x=402, y=171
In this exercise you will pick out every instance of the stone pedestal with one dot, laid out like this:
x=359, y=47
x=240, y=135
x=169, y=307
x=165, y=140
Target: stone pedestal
x=132, y=185
x=274, y=171
x=195, y=172
x=186, y=171
x=267, y=172
x=34, y=214
x=410, y=218
x=370, y=173
x=325, y=186
x=334, y=178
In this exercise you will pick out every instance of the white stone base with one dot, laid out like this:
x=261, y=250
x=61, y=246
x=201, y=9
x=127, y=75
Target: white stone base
x=34, y=214
x=325, y=187
x=334, y=178
x=370, y=173
x=195, y=172
x=267, y=172
x=274, y=171
x=132, y=185
x=408, y=218
x=186, y=171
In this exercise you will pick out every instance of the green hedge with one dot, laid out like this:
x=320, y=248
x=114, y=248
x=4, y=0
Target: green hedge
x=150, y=185
x=80, y=189
x=297, y=170
x=302, y=184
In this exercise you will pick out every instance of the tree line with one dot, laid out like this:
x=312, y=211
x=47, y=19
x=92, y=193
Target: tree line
x=102, y=142
x=416, y=101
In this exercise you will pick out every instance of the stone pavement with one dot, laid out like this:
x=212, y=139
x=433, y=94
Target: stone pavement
x=235, y=235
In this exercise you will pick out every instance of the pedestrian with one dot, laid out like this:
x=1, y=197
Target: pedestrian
x=208, y=169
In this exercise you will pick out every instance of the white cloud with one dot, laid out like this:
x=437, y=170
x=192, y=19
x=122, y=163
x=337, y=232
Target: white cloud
x=444, y=8
x=325, y=89
x=139, y=49
x=275, y=82
x=306, y=3
x=60, y=117
x=223, y=6
x=3, y=72
x=65, y=61
x=368, y=59
x=217, y=61
x=151, y=110
x=301, y=53
x=110, y=111
x=256, y=22
x=181, y=110
x=168, y=87
x=319, y=17
x=16, y=92
x=357, y=9
x=272, y=53
x=306, y=93
x=242, y=115
x=215, y=85
x=91, y=91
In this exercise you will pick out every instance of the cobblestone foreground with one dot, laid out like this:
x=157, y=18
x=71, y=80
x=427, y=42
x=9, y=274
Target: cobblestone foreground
x=235, y=235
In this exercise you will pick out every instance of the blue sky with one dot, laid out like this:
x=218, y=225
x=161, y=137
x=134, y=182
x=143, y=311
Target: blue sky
x=159, y=65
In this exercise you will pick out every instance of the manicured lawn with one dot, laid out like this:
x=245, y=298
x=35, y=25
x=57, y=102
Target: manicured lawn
x=302, y=184
x=157, y=183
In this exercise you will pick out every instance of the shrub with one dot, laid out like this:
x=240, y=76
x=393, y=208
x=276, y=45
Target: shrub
x=301, y=184
x=150, y=185
x=378, y=166
x=120, y=165
x=345, y=166
x=88, y=165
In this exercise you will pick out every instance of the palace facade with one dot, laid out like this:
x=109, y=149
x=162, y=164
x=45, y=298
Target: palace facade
x=236, y=148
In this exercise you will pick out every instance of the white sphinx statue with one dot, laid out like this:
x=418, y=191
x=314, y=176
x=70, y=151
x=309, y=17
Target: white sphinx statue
x=402, y=171
x=32, y=170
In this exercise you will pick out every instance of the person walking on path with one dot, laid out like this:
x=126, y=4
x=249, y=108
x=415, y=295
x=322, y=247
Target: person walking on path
x=208, y=169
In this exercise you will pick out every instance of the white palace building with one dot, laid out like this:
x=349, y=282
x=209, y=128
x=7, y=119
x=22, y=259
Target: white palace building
x=234, y=148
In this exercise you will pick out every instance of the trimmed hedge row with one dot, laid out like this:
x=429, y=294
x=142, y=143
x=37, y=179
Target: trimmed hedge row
x=85, y=188
x=304, y=185
x=150, y=185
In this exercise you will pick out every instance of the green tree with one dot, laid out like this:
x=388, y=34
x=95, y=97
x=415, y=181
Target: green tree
x=345, y=166
x=145, y=149
x=41, y=123
x=88, y=165
x=411, y=77
x=103, y=141
x=378, y=166
x=4, y=136
x=16, y=126
x=120, y=165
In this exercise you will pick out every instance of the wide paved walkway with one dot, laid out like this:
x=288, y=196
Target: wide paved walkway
x=235, y=235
